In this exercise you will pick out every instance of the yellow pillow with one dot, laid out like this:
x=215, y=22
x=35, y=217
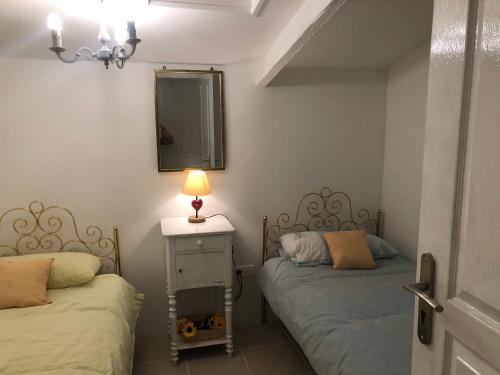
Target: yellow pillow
x=69, y=269
x=349, y=250
x=24, y=284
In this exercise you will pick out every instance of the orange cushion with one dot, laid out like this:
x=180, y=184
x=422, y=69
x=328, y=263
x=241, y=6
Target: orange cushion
x=349, y=250
x=24, y=284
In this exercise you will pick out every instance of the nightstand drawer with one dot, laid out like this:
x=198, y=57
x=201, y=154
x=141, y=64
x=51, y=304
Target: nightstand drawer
x=199, y=242
x=199, y=269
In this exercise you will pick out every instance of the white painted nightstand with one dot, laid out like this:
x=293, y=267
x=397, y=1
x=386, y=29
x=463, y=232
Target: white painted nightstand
x=198, y=255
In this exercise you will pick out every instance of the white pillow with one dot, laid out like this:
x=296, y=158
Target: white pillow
x=305, y=248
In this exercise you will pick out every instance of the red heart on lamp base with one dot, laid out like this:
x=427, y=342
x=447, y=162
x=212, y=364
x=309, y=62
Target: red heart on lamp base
x=196, y=203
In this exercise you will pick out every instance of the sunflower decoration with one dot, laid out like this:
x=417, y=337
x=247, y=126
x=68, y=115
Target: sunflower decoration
x=191, y=327
x=189, y=330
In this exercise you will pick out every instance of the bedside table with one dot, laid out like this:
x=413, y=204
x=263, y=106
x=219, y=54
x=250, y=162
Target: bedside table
x=198, y=256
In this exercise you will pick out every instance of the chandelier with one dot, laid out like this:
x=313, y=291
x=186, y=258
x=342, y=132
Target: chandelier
x=115, y=54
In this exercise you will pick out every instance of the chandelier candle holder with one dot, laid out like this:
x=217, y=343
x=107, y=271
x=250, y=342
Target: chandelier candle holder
x=115, y=54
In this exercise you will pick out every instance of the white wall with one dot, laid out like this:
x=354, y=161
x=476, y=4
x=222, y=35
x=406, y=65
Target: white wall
x=84, y=137
x=404, y=143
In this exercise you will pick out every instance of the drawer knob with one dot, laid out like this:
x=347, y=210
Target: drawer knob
x=199, y=243
x=180, y=270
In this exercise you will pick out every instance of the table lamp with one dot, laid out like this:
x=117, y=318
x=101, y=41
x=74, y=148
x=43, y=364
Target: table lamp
x=196, y=184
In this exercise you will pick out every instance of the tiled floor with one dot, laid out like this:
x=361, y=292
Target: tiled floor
x=260, y=350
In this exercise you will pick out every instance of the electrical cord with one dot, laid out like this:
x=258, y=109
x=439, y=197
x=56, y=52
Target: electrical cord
x=239, y=277
x=238, y=274
x=208, y=217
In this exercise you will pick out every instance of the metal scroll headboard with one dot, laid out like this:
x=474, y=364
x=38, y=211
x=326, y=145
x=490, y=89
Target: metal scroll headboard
x=324, y=211
x=39, y=229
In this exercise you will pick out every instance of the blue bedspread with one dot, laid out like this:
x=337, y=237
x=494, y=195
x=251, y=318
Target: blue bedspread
x=348, y=322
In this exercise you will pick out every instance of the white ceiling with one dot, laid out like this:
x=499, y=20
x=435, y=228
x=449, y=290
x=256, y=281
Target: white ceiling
x=368, y=34
x=170, y=35
x=239, y=6
x=362, y=34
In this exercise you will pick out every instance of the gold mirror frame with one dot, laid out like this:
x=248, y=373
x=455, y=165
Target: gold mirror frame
x=221, y=111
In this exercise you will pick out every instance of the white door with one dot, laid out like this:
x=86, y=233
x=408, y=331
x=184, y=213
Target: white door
x=460, y=212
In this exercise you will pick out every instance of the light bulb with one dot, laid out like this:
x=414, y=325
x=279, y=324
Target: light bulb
x=121, y=34
x=103, y=35
x=54, y=22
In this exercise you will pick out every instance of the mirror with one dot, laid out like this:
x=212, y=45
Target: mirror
x=189, y=119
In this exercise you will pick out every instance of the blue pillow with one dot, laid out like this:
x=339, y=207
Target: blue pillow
x=380, y=248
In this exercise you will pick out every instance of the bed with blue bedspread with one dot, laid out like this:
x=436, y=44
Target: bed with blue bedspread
x=347, y=322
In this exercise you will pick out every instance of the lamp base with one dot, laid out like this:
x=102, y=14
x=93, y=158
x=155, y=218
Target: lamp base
x=194, y=219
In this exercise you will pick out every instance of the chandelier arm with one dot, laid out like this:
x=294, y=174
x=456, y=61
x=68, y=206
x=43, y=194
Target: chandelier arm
x=132, y=51
x=74, y=59
x=91, y=54
x=116, y=50
x=120, y=64
x=128, y=55
x=76, y=55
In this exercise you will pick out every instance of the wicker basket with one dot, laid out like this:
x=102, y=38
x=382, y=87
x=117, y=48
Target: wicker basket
x=202, y=334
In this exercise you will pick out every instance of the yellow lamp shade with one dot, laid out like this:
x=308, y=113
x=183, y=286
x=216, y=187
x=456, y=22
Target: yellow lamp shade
x=196, y=184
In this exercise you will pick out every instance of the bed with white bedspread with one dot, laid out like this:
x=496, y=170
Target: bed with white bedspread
x=87, y=328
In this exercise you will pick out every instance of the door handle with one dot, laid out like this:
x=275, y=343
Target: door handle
x=424, y=290
x=420, y=290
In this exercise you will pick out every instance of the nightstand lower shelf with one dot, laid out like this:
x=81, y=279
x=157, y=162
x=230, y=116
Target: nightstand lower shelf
x=176, y=344
x=199, y=344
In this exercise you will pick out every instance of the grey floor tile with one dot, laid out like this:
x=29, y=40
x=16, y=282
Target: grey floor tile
x=264, y=348
x=297, y=348
x=149, y=349
x=214, y=361
x=250, y=335
x=160, y=368
x=276, y=359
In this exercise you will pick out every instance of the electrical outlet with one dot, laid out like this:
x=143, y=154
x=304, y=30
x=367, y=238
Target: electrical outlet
x=247, y=270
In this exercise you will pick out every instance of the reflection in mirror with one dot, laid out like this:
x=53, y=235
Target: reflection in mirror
x=189, y=119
